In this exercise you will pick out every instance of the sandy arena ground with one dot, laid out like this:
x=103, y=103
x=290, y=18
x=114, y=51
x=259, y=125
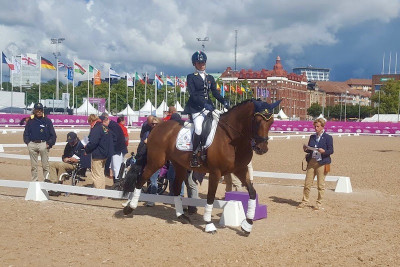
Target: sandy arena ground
x=356, y=229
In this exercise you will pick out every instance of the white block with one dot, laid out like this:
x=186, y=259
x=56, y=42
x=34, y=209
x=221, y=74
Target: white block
x=1, y=148
x=35, y=193
x=233, y=214
x=4, y=132
x=178, y=206
x=343, y=185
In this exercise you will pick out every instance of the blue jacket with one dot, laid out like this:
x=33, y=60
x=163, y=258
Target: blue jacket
x=40, y=129
x=199, y=90
x=100, y=142
x=326, y=143
x=69, y=150
x=118, y=138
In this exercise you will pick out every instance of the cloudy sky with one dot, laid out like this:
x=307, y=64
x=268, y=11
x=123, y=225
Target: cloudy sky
x=349, y=37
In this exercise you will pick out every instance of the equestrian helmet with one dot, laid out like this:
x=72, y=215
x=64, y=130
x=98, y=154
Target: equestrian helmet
x=199, y=56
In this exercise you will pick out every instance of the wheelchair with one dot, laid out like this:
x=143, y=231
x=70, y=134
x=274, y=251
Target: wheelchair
x=75, y=175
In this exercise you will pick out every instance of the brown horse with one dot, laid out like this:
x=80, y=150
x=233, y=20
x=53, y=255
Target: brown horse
x=240, y=130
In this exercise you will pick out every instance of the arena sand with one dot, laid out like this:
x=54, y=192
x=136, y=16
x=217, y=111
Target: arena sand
x=356, y=229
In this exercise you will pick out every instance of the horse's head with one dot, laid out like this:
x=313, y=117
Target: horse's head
x=261, y=123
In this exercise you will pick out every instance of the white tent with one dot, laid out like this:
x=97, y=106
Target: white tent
x=321, y=117
x=161, y=109
x=382, y=118
x=31, y=106
x=281, y=115
x=128, y=111
x=147, y=109
x=85, y=109
x=178, y=107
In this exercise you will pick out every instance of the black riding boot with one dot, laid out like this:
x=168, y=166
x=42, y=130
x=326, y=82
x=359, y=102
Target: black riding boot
x=194, y=163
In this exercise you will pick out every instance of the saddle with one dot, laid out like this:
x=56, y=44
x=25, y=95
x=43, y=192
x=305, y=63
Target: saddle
x=210, y=123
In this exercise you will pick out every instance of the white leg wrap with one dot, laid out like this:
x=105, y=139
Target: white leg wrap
x=135, y=199
x=207, y=213
x=246, y=226
x=251, y=210
x=210, y=227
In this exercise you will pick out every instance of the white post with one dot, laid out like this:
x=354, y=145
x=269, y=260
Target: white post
x=109, y=90
x=88, y=91
x=40, y=77
x=134, y=92
x=145, y=88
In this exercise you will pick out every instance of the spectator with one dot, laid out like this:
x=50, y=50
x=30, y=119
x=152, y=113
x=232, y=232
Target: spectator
x=101, y=147
x=319, y=151
x=119, y=150
x=122, y=123
x=72, y=154
x=146, y=126
x=171, y=110
x=40, y=136
x=233, y=182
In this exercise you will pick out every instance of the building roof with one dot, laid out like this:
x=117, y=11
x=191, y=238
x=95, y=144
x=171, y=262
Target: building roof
x=365, y=82
x=339, y=88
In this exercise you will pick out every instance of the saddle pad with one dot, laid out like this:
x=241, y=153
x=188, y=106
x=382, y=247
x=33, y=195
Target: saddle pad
x=184, y=139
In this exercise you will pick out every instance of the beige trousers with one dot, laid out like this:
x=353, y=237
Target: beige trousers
x=99, y=179
x=34, y=150
x=314, y=168
x=233, y=182
x=57, y=168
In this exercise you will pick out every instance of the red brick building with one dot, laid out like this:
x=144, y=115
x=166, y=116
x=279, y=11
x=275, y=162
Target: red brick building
x=276, y=84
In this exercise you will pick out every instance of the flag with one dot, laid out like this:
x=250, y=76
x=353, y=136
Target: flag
x=5, y=60
x=226, y=88
x=169, y=81
x=47, y=64
x=113, y=73
x=61, y=65
x=70, y=74
x=27, y=60
x=17, y=65
x=242, y=88
x=232, y=88
x=138, y=78
x=159, y=82
x=238, y=89
x=91, y=68
x=79, y=69
x=129, y=80
x=218, y=87
x=97, y=78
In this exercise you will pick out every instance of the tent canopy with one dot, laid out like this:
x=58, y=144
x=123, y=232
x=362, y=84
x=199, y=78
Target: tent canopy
x=86, y=108
x=148, y=107
x=281, y=115
x=178, y=107
x=128, y=110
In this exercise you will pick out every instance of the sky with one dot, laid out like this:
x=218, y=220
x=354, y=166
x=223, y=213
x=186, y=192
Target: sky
x=350, y=38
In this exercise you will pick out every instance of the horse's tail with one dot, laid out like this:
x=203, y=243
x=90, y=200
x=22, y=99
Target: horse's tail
x=131, y=179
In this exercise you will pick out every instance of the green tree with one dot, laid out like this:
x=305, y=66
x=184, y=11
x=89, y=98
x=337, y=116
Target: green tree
x=388, y=97
x=314, y=110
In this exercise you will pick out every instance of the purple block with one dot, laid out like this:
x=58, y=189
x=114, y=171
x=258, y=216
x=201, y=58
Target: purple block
x=261, y=210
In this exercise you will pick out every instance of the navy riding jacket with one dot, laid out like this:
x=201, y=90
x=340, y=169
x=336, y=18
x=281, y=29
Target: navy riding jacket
x=100, y=142
x=199, y=90
x=326, y=143
x=118, y=138
x=40, y=129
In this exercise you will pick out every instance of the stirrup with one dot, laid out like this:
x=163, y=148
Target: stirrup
x=194, y=163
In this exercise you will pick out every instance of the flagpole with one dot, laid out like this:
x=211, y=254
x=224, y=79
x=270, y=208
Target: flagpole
x=127, y=96
x=155, y=90
x=109, y=89
x=134, y=92
x=57, y=85
x=20, y=77
x=1, y=75
x=73, y=86
x=175, y=93
x=88, y=92
x=40, y=77
x=145, y=88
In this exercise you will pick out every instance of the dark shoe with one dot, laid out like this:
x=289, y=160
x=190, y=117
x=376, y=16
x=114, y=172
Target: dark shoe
x=94, y=198
x=194, y=163
x=117, y=185
x=54, y=193
x=47, y=181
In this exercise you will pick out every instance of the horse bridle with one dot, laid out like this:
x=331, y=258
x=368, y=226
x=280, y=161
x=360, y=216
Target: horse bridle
x=266, y=116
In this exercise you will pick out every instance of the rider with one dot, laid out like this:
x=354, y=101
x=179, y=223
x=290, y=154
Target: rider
x=199, y=85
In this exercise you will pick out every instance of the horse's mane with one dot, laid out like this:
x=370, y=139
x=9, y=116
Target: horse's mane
x=236, y=106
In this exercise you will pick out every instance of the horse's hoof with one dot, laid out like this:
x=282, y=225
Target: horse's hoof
x=212, y=232
x=127, y=210
x=245, y=233
x=184, y=219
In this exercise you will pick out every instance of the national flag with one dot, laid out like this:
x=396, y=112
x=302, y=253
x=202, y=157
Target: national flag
x=169, y=81
x=113, y=73
x=97, y=78
x=159, y=82
x=79, y=69
x=226, y=88
x=46, y=64
x=61, y=65
x=17, y=65
x=232, y=88
x=218, y=87
x=242, y=88
x=27, y=60
x=70, y=75
x=129, y=80
x=139, y=78
x=91, y=68
x=5, y=60
x=238, y=89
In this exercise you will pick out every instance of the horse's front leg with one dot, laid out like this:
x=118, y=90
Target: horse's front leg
x=212, y=189
x=244, y=176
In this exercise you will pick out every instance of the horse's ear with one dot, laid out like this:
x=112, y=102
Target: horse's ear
x=270, y=107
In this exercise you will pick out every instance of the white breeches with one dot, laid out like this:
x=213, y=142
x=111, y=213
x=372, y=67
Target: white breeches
x=198, y=119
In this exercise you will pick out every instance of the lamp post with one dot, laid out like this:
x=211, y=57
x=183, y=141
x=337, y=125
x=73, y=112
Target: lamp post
x=345, y=100
x=56, y=54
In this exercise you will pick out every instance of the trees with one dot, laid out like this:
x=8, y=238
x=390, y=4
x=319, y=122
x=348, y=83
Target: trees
x=314, y=110
x=388, y=97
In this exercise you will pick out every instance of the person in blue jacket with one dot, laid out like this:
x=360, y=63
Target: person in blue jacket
x=319, y=151
x=100, y=145
x=199, y=85
x=40, y=136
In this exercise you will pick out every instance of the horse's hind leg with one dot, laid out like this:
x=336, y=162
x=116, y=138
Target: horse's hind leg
x=244, y=177
x=212, y=189
x=180, y=175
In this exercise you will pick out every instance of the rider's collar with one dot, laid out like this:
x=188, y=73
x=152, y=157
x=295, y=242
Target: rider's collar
x=200, y=71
